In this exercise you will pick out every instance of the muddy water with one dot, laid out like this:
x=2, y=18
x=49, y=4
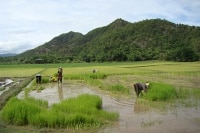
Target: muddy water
x=133, y=117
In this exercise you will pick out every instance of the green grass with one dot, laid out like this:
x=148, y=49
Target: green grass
x=81, y=112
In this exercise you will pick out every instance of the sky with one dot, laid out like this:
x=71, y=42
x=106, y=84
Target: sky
x=27, y=24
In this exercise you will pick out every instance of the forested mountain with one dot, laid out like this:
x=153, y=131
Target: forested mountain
x=153, y=39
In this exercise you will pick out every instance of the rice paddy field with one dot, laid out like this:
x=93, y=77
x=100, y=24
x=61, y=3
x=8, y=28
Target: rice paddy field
x=173, y=95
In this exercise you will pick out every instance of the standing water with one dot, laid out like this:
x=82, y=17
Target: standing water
x=132, y=116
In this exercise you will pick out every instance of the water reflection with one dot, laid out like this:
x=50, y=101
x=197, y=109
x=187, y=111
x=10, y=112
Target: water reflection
x=133, y=116
x=139, y=107
x=60, y=92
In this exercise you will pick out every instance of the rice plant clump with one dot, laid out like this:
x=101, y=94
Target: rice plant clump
x=161, y=92
x=119, y=88
x=86, y=76
x=19, y=112
x=83, y=111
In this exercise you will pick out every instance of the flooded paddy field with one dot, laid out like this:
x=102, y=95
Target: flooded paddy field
x=133, y=117
x=178, y=116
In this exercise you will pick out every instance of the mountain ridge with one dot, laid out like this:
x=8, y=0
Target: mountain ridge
x=152, y=39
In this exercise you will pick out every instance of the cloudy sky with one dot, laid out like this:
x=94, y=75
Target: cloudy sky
x=26, y=24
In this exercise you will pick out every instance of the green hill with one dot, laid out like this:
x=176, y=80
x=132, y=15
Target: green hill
x=153, y=39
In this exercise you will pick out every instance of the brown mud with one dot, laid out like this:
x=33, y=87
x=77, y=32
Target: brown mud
x=133, y=117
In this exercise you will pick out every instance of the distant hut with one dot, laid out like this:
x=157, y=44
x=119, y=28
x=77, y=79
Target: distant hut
x=39, y=61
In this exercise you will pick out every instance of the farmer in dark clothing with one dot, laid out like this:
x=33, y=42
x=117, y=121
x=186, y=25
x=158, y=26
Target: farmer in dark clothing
x=60, y=70
x=38, y=78
x=139, y=87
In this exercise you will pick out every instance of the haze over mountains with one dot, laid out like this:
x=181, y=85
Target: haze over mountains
x=7, y=55
x=153, y=39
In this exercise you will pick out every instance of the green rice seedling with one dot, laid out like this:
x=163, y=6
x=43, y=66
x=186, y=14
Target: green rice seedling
x=40, y=88
x=18, y=112
x=183, y=97
x=189, y=97
x=97, y=75
x=184, y=93
x=79, y=120
x=26, y=93
x=161, y=92
x=83, y=111
x=80, y=103
x=118, y=88
x=83, y=76
x=45, y=80
x=93, y=79
x=196, y=93
x=94, y=82
x=17, y=71
x=48, y=118
x=40, y=119
x=37, y=102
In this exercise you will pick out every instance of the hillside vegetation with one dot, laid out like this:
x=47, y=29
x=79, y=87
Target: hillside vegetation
x=153, y=39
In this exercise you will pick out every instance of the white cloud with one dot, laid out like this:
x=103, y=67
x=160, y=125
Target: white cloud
x=13, y=46
x=25, y=24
